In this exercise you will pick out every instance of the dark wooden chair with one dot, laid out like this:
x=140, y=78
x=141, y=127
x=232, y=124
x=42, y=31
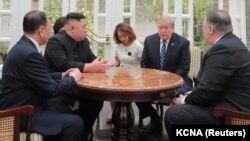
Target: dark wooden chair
x=10, y=122
x=231, y=117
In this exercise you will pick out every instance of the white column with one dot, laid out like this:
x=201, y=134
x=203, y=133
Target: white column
x=1, y=5
x=178, y=14
x=41, y=5
x=3, y=12
x=114, y=11
x=242, y=13
x=238, y=17
x=68, y=6
x=165, y=7
x=190, y=22
x=242, y=24
x=220, y=4
x=96, y=25
x=108, y=27
x=114, y=15
x=132, y=11
x=65, y=7
x=96, y=11
x=72, y=7
x=19, y=9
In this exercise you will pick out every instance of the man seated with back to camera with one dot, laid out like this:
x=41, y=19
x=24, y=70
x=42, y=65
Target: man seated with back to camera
x=223, y=79
x=27, y=81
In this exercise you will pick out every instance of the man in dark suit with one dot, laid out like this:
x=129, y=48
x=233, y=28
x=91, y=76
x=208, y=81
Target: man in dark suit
x=70, y=49
x=223, y=80
x=26, y=80
x=176, y=59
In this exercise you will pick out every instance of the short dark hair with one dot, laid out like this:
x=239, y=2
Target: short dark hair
x=220, y=19
x=75, y=16
x=126, y=28
x=33, y=20
x=59, y=24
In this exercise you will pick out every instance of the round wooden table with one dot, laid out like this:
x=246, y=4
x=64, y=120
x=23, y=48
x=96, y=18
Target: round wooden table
x=126, y=85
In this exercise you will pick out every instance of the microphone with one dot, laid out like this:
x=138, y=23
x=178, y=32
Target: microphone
x=129, y=53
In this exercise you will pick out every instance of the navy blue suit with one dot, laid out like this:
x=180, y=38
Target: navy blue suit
x=177, y=61
x=177, y=56
x=26, y=80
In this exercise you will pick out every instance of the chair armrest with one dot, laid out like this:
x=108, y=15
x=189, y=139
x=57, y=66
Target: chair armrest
x=26, y=110
x=10, y=120
x=231, y=117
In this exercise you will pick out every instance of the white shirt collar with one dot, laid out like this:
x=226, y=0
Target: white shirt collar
x=218, y=39
x=35, y=43
x=165, y=41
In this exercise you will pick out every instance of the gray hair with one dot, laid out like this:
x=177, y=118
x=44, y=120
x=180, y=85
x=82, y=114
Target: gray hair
x=33, y=20
x=220, y=20
x=167, y=19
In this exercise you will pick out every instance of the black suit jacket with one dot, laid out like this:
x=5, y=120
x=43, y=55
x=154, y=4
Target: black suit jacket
x=26, y=80
x=224, y=78
x=177, y=57
x=62, y=53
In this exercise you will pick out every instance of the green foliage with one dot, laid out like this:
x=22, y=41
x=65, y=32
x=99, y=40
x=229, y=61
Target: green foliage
x=171, y=6
x=90, y=22
x=53, y=9
x=101, y=50
x=152, y=9
x=4, y=45
x=6, y=4
x=3, y=49
x=201, y=7
x=248, y=44
x=202, y=45
x=127, y=6
x=149, y=10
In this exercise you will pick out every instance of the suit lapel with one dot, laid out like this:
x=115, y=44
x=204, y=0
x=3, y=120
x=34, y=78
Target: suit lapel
x=157, y=43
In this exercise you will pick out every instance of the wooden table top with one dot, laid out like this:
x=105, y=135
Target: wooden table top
x=133, y=84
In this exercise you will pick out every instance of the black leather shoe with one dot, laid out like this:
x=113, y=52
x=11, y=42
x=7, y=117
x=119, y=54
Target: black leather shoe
x=109, y=121
x=91, y=136
x=154, y=128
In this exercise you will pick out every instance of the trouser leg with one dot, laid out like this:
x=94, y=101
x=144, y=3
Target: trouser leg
x=186, y=114
x=58, y=126
x=146, y=109
x=73, y=128
x=89, y=110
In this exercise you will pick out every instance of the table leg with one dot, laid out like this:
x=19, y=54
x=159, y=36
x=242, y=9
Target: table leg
x=123, y=120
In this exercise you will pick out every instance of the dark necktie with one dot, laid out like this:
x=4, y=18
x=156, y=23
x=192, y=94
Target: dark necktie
x=163, y=54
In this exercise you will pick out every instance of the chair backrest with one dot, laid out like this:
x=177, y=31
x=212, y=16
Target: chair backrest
x=10, y=123
x=231, y=117
x=195, y=61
